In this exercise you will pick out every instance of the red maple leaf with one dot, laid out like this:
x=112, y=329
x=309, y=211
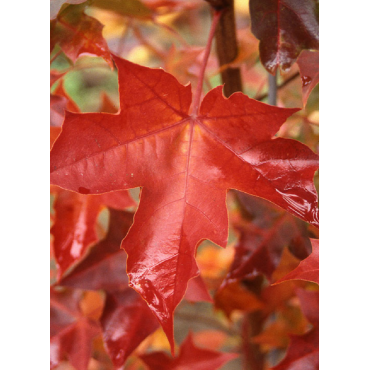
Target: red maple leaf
x=185, y=164
x=190, y=357
x=284, y=28
x=308, y=269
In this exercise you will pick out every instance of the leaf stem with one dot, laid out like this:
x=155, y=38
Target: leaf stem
x=207, y=51
x=272, y=92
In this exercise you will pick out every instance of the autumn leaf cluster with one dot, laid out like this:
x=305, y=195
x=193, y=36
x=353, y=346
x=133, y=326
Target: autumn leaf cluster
x=151, y=176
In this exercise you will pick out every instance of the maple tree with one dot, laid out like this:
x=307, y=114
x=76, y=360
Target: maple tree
x=213, y=165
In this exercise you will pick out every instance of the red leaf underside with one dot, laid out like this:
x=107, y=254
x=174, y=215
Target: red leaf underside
x=284, y=28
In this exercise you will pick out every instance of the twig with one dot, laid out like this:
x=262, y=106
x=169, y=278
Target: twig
x=227, y=46
x=272, y=93
x=286, y=82
x=207, y=51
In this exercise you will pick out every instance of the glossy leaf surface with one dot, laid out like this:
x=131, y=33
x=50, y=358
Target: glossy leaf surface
x=308, y=63
x=126, y=322
x=105, y=265
x=303, y=351
x=75, y=220
x=185, y=164
x=308, y=269
x=190, y=357
x=78, y=33
x=284, y=28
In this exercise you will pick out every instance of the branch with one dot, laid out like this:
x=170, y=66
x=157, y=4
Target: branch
x=272, y=93
x=227, y=45
x=207, y=51
x=286, y=82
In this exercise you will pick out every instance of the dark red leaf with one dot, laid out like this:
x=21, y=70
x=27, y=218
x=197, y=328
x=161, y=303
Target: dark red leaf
x=308, y=63
x=308, y=269
x=190, y=357
x=78, y=33
x=185, y=165
x=263, y=238
x=284, y=28
x=74, y=225
x=105, y=265
x=126, y=322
